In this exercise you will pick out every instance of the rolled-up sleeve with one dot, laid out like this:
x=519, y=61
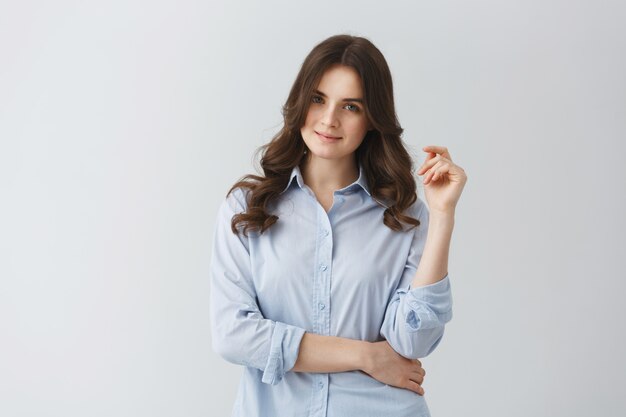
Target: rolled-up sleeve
x=415, y=317
x=240, y=333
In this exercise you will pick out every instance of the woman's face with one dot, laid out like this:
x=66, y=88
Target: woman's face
x=336, y=123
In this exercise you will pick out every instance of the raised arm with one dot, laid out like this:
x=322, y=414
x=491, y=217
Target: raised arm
x=422, y=304
x=416, y=316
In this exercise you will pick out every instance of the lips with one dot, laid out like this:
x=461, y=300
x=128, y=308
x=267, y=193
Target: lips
x=327, y=136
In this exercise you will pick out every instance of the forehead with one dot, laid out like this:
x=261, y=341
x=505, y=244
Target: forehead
x=341, y=81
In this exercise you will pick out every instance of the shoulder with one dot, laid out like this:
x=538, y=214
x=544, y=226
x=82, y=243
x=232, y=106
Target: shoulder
x=236, y=201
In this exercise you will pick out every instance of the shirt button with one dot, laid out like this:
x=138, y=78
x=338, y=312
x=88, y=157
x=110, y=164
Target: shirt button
x=323, y=267
x=325, y=232
x=322, y=306
x=320, y=384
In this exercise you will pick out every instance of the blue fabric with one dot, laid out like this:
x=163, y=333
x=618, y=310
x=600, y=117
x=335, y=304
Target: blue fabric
x=342, y=273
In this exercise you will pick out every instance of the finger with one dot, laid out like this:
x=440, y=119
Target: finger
x=441, y=150
x=419, y=370
x=417, y=377
x=439, y=170
x=436, y=171
x=452, y=172
x=428, y=176
x=437, y=149
x=415, y=387
x=429, y=163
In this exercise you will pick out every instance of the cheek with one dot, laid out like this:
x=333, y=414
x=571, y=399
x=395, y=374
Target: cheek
x=309, y=125
x=358, y=127
x=311, y=116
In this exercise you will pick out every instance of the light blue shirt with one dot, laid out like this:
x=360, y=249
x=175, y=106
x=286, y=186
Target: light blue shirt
x=342, y=273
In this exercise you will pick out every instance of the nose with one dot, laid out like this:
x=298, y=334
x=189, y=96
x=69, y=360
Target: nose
x=329, y=118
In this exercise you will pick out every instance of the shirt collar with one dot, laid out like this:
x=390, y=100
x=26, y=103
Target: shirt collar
x=360, y=182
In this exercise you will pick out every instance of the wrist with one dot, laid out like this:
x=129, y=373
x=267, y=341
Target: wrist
x=439, y=220
x=445, y=214
x=364, y=356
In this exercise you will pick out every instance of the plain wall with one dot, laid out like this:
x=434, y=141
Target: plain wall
x=124, y=123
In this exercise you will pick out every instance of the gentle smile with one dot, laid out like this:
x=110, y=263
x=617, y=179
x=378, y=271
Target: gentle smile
x=323, y=136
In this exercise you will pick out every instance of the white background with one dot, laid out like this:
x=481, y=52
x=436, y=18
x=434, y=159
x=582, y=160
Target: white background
x=124, y=123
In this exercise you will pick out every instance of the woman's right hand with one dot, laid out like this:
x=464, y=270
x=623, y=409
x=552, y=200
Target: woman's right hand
x=387, y=366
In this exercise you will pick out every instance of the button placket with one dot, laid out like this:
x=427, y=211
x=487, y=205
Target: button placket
x=326, y=248
x=321, y=300
x=323, y=262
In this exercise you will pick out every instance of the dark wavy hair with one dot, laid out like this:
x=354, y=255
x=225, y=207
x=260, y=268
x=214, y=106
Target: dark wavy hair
x=387, y=165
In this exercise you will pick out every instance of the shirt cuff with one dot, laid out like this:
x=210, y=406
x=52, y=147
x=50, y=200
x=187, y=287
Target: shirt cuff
x=284, y=348
x=428, y=306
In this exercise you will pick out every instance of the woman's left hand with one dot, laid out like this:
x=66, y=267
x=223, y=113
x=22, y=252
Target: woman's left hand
x=443, y=179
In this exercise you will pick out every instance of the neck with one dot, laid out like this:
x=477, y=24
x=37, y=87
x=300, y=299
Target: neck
x=328, y=174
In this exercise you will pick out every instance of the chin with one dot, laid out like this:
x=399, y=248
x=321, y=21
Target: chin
x=325, y=154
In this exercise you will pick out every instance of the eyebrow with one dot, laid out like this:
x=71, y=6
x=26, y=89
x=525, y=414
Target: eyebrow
x=358, y=100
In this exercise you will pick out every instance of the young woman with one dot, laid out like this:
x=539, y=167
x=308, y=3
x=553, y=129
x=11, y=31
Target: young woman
x=329, y=275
